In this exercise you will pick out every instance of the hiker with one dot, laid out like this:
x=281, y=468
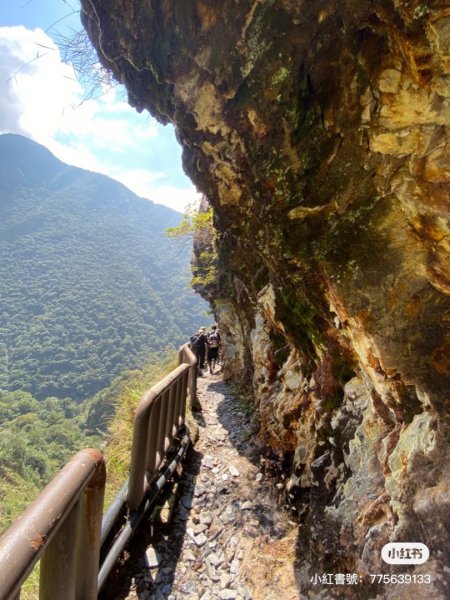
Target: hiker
x=198, y=346
x=213, y=341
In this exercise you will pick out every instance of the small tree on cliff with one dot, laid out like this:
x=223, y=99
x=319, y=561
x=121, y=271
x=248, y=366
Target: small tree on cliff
x=197, y=225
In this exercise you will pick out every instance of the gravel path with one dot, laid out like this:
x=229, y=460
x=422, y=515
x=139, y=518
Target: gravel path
x=227, y=538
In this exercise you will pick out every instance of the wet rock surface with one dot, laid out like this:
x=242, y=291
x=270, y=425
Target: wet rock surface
x=228, y=538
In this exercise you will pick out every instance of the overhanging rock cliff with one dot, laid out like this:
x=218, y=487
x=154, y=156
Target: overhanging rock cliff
x=319, y=131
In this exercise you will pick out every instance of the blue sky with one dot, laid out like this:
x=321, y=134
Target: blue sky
x=41, y=98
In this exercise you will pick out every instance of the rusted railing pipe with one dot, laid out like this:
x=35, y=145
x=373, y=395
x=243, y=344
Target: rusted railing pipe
x=146, y=454
x=186, y=356
x=63, y=527
x=114, y=510
x=146, y=505
x=159, y=416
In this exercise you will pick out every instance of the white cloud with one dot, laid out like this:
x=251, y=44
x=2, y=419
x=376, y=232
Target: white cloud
x=177, y=198
x=41, y=99
x=36, y=83
x=106, y=124
x=77, y=154
x=44, y=96
x=140, y=180
x=145, y=184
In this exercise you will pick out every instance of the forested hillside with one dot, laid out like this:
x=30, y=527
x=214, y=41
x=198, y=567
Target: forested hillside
x=89, y=284
x=36, y=439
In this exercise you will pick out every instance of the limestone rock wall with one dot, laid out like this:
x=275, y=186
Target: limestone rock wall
x=319, y=131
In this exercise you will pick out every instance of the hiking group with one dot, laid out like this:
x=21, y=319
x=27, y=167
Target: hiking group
x=206, y=346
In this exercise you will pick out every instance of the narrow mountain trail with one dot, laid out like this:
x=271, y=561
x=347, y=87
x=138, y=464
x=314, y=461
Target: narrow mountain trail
x=228, y=538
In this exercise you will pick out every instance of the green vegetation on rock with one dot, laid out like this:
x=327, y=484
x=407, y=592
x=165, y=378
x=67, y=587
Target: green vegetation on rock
x=198, y=226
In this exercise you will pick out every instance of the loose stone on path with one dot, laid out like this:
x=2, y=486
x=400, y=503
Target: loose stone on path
x=228, y=539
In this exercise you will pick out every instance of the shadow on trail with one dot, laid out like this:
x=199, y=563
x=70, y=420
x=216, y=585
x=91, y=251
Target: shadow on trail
x=137, y=571
x=198, y=416
x=242, y=433
x=239, y=426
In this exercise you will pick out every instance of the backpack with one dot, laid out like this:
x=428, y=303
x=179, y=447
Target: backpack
x=195, y=340
x=213, y=340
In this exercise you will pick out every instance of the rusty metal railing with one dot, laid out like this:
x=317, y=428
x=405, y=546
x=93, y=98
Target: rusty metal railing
x=159, y=416
x=186, y=356
x=63, y=526
x=159, y=419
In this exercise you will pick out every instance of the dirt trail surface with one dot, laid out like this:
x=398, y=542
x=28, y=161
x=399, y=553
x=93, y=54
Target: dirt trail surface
x=228, y=538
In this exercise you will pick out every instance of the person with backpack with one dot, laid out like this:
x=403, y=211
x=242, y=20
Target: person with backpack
x=198, y=343
x=213, y=341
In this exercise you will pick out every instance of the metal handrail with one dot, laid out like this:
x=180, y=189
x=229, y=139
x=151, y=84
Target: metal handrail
x=186, y=356
x=136, y=516
x=159, y=417
x=63, y=526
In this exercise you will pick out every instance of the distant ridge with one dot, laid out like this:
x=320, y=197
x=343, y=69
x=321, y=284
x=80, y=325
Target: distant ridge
x=24, y=160
x=89, y=284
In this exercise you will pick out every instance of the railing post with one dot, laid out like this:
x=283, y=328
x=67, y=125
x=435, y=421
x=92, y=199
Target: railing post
x=89, y=536
x=193, y=387
x=58, y=563
x=185, y=355
x=151, y=456
x=183, y=400
x=152, y=423
x=69, y=566
x=62, y=527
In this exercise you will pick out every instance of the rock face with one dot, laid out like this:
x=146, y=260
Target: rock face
x=319, y=131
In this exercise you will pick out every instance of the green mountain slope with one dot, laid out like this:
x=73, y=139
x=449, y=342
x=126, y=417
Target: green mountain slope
x=89, y=285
